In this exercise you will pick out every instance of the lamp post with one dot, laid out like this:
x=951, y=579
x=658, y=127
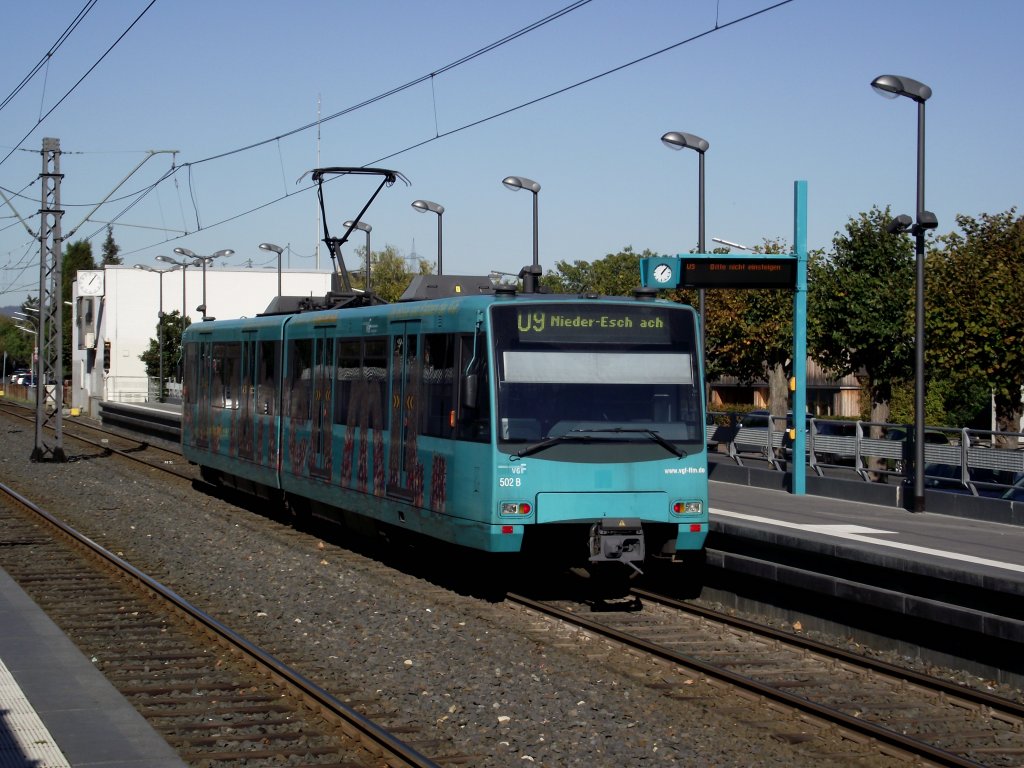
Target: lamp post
x=184, y=267
x=892, y=86
x=677, y=140
x=423, y=206
x=278, y=250
x=160, y=321
x=202, y=261
x=530, y=277
x=364, y=227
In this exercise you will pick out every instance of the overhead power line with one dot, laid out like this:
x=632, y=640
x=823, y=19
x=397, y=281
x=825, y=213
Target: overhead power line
x=79, y=81
x=49, y=54
x=718, y=27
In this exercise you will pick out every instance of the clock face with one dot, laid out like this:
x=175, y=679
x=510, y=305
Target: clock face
x=662, y=273
x=90, y=282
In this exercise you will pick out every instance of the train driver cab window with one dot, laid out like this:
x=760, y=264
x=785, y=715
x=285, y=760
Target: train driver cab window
x=438, y=385
x=474, y=412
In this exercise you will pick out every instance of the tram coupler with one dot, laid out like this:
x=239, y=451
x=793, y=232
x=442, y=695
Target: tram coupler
x=617, y=539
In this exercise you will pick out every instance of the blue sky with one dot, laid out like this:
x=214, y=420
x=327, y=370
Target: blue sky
x=781, y=96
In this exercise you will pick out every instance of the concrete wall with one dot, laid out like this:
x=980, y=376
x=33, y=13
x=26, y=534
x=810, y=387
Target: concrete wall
x=127, y=318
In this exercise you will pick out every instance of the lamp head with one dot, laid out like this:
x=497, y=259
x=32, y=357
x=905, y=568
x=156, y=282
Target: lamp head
x=185, y=252
x=271, y=247
x=362, y=226
x=892, y=86
x=679, y=140
x=426, y=205
x=521, y=182
x=926, y=220
x=899, y=224
x=225, y=252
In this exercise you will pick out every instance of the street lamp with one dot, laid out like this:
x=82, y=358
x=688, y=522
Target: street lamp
x=364, y=227
x=184, y=267
x=530, y=276
x=892, y=86
x=202, y=261
x=160, y=321
x=278, y=250
x=678, y=140
x=423, y=206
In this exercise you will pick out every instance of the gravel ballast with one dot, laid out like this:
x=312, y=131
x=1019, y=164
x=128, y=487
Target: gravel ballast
x=483, y=677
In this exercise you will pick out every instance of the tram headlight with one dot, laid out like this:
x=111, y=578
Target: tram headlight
x=687, y=507
x=515, y=508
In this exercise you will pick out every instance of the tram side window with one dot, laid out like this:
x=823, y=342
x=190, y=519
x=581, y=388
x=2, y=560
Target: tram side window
x=348, y=372
x=227, y=371
x=375, y=374
x=191, y=393
x=438, y=385
x=300, y=379
x=474, y=416
x=269, y=361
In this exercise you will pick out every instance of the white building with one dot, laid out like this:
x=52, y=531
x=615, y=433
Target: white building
x=119, y=306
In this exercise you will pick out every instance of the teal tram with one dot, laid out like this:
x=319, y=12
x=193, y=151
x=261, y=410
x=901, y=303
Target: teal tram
x=569, y=427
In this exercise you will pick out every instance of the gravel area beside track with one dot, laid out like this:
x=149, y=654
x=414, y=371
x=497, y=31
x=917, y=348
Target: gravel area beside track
x=407, y=647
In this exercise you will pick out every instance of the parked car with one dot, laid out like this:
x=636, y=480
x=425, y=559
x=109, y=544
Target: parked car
x=933, y=436
x=834, y=429
x=18, y=373
x=946, y=477
x=1016, y=493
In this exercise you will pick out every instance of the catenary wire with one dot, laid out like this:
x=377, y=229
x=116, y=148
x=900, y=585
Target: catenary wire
x=693, y=38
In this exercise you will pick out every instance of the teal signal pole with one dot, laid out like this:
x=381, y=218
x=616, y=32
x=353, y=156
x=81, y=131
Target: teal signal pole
x=800, y=339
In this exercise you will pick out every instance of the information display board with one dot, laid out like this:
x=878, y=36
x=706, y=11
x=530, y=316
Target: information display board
x=738, y=272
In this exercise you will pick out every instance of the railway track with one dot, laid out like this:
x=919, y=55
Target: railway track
x=924, y=717
x=100, y=441
x=217, y=698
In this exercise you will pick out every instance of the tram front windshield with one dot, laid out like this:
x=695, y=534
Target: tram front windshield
x=601, y=370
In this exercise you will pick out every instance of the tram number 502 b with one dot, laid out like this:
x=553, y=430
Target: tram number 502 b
x=510, y=482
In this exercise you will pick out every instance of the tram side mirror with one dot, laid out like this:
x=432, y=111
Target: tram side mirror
x=469, y=390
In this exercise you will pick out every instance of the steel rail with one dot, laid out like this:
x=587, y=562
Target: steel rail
x=883, y=735
x=980, y=698
x=349, y=719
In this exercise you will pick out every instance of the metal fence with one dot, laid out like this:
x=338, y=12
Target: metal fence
x=964, y=460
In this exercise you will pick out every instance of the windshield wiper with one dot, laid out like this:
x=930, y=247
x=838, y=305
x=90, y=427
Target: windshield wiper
x=651, y=433
x=547, y=443
x=575, y=434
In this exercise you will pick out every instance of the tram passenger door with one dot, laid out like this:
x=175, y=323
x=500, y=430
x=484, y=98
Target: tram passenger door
x=405, y=476
x=323, y=390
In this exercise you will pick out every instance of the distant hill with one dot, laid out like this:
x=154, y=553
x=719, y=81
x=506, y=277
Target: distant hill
x=9, y=311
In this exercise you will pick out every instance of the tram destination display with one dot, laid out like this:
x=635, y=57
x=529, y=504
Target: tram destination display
x=576, y=324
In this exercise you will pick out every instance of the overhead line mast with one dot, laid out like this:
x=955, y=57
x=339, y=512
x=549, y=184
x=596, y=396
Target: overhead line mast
x=49, y=338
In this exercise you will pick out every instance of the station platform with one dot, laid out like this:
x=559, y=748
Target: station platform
x=56, y=709
x=876, y=572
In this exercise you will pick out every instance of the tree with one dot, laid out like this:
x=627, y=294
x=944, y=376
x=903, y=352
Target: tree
x=172, y=331
x=861, y=307
x=16, y=343
x=110, y=248
x=390, y=273
x=975, y=291
x=78, y=255
x=617, y=274
x=750, y=334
